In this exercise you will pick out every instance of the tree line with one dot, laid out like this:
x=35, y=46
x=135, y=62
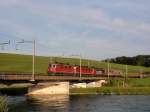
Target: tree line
x=139, y=60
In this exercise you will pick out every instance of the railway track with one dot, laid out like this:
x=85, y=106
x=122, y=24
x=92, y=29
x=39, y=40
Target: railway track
x=27, y=77
x=46, y=78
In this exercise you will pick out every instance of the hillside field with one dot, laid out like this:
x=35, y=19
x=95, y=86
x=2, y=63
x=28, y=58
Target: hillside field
x=23, y=64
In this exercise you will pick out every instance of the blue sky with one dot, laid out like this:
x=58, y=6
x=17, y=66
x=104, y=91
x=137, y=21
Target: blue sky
x=97, y=29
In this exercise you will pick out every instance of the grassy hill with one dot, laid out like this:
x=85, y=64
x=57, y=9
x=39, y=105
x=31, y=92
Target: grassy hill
x=23, y=63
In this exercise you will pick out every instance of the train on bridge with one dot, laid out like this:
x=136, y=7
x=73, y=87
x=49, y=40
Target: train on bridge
x=60, y=69
x=71, y=70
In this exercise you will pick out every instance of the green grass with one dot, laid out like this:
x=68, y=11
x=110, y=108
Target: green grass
x=144, y=82
x=132, y=82
x=23, y=63
x=112, y=90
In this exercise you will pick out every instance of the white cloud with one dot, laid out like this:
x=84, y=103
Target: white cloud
x=61, y=28
x=94, y=17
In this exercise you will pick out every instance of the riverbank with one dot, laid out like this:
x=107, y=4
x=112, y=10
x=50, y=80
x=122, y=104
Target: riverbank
x=84, y=91
x=111, y=91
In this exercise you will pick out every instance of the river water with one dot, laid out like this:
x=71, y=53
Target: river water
x=80, y=103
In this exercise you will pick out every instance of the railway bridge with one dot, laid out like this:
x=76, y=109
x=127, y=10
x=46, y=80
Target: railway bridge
x=44, y=84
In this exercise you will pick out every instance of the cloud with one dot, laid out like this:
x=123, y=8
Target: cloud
x=95, y=17
x=87, y=26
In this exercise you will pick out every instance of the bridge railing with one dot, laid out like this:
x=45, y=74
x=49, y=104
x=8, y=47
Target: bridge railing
x=45, y=78
x=15, y=77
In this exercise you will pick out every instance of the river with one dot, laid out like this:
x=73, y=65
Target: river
x=80, y=103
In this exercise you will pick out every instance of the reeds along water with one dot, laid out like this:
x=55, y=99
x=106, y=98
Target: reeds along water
x=3, y=104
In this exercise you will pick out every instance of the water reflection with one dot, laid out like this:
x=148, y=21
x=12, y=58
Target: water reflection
x=99, y=103
x=53, y=103
x=80, y=103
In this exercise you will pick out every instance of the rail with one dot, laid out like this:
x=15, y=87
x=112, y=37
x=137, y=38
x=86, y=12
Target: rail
x=45, y=78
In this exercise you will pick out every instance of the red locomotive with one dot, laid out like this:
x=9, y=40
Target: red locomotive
x=64, y=69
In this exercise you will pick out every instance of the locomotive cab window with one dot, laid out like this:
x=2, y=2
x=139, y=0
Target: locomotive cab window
x=53, y=66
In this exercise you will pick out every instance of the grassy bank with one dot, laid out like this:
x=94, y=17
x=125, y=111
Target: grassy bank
x=136, y=86
x=112, y=90
x=23, y=63
x=132, y=82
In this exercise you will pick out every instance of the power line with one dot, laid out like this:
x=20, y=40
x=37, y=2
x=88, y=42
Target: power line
x=3, y=44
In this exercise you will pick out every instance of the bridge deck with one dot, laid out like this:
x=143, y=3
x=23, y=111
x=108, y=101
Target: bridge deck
x=46, y=78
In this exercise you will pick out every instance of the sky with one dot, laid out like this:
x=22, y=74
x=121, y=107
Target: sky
x=96, y=29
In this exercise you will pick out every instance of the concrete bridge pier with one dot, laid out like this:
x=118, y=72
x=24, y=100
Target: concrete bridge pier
x=50, y=88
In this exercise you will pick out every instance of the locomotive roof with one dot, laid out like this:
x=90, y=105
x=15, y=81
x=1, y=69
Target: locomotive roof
x=70, y=64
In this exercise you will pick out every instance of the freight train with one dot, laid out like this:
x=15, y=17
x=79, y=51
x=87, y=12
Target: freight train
x=71, y=70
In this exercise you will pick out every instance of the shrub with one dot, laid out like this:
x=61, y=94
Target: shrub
x=3, y=104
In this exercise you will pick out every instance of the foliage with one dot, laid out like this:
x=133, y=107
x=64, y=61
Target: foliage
x=3, y=104
x=140, y=60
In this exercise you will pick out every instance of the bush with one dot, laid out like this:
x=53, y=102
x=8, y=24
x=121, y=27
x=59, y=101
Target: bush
x=3, y=104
